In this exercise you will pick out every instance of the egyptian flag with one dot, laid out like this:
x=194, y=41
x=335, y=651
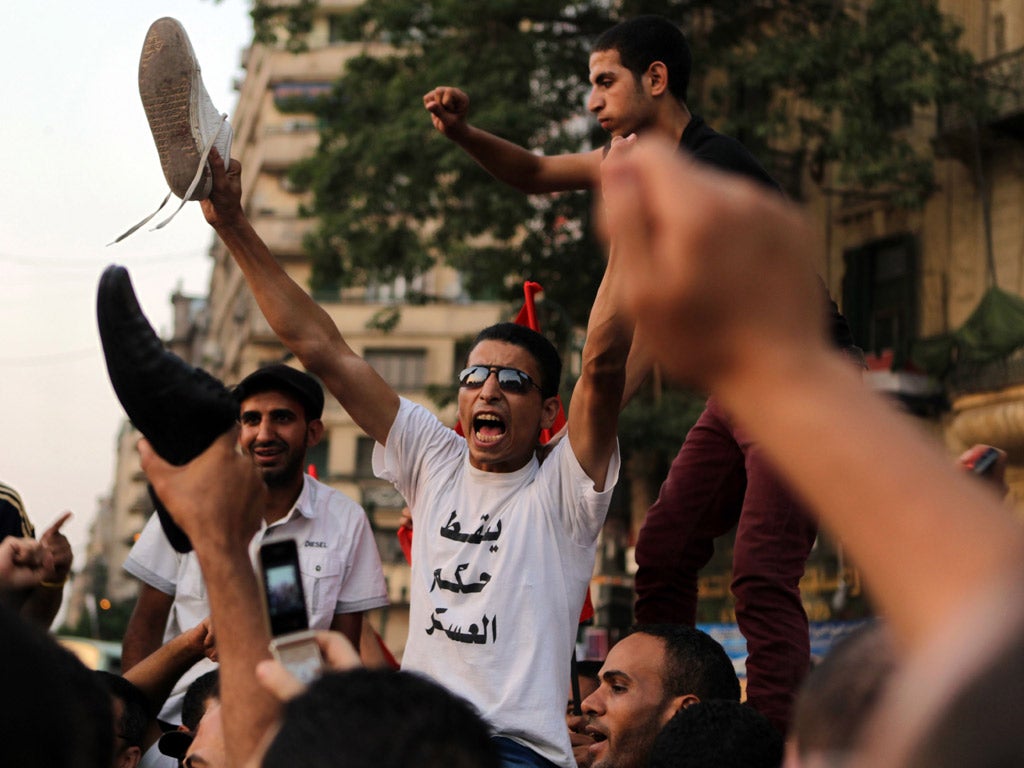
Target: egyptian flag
x=527, y=316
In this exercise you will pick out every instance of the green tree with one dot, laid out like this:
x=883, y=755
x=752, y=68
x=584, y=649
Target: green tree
x=842, y=83
x=831, y=82
x=392, y=197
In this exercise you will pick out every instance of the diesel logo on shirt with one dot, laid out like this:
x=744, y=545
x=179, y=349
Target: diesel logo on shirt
x=320, y=544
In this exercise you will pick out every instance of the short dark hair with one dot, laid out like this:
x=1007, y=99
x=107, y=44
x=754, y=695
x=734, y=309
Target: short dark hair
x=717, y=734
x=539, y=347
x=200, y=690
x=279, y=377
x=136, y=710
x=589, y=668
x=645, y=39
x=373, y=718
x=695, y=663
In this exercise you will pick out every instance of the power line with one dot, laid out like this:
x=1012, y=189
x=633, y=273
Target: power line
x=93, y=265
x=53, y=358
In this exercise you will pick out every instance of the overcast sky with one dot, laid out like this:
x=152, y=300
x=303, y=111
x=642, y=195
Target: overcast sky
x=79, y=167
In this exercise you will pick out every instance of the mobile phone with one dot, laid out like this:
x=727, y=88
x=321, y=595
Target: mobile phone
x=293, y=644
x=984, y=463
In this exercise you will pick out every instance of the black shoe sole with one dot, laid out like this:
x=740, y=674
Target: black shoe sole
x=179, y=409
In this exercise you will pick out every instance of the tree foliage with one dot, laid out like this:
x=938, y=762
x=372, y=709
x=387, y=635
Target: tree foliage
x=844, y=81
x=832, y=82
x=393, y=197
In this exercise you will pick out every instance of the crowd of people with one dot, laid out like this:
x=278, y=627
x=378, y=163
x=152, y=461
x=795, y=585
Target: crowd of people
x=708, y=275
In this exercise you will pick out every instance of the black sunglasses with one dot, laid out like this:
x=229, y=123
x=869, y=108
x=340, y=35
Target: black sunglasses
x=509, y=379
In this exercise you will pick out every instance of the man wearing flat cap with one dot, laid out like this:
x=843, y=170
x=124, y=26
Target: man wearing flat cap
x=279, y=412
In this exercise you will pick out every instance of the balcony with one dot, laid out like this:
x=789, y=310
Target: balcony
x=282, y=234
x=1001, y=80
x=1003, y=374
x=988, y=404
x=284, y=145
x=318, y=64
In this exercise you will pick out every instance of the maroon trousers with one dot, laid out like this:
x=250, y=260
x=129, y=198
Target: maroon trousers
x=719, y=480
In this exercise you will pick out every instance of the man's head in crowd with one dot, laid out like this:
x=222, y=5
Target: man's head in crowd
x=649, y=676
x=202, y=694
x=208, y=748
x=839, y=695
x=632, y=66
x=507, y=395
x=59, y=713
x=130, y=719
x=717, y=734
x=380, y=719
x=279, y=410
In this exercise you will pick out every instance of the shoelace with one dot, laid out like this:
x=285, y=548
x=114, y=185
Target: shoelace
x=188, y=193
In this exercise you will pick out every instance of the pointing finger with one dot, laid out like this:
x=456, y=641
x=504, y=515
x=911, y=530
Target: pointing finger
x=55, y=527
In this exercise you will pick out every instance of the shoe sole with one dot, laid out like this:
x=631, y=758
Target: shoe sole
x=169, y=81
x=180, y=409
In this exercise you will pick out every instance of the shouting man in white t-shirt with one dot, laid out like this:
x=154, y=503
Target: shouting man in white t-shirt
x=504, y=545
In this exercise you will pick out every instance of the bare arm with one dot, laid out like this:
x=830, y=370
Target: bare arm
x=597, y=397
x=638, y=367
x=510, y=163
x=299, y=322
x=145, y=630
x=156, y=674
x=928, y=538
x=350, y=625
x=218, y=499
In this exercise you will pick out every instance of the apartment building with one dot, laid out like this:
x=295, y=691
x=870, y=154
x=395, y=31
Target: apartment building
x=903, y=276
x=425, y=348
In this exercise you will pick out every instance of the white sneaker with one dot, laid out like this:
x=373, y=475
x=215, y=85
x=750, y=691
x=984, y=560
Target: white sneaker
x=181, y=115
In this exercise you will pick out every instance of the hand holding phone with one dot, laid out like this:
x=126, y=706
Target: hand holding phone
x=293, y=643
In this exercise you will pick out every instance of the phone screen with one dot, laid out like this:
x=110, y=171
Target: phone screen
x=282, y=586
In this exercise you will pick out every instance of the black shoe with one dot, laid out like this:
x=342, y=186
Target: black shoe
x=179, y=409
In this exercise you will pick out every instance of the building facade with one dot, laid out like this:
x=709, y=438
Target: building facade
x=422, y=347
x=903, y=276
x=898, y=275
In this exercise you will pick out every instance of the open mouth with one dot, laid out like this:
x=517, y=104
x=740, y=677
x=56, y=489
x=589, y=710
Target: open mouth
x=598, y=751
x=488, y=428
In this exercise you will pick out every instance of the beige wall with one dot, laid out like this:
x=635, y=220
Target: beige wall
x=950, y=230
x=267, y=142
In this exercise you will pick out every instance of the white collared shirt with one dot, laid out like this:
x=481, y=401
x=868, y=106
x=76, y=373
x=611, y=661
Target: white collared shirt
x=338, y=558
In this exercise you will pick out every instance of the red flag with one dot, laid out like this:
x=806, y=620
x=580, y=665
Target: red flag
x=528, y=316
x=385, y=651
x=404, y=534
